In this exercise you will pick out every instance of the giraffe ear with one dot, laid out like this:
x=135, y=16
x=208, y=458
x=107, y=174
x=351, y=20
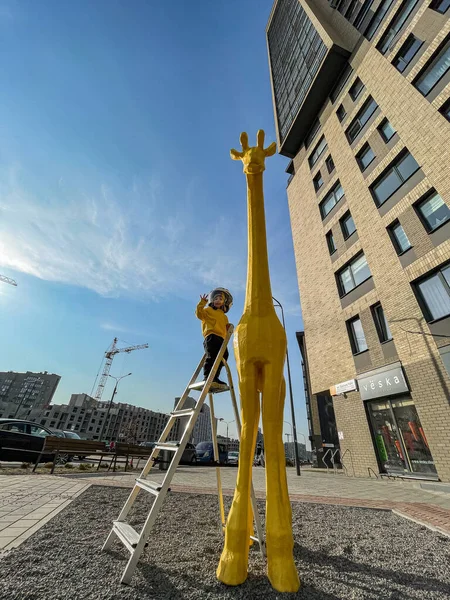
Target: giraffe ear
x=270, y=150
x=235, y=155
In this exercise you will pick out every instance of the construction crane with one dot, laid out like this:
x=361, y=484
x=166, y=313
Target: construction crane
x=109, y=355
x=7, y=280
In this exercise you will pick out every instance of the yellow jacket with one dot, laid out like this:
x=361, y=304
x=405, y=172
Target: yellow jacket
x=213, y=320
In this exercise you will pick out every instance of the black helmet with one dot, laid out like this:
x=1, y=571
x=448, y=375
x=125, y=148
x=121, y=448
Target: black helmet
x=226, y=294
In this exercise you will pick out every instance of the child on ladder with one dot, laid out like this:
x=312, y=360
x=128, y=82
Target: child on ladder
x=214, y=328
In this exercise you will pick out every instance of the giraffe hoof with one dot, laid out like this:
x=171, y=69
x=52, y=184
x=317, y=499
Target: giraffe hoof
x=283, y=574
x=232, y=569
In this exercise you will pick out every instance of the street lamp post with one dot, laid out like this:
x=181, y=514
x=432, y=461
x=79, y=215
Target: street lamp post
x=227, y=423
x=292, y=432
x=294, y=428
x=111, y=401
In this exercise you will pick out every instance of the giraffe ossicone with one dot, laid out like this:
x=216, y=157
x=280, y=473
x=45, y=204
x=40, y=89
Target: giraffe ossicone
x=260, y=351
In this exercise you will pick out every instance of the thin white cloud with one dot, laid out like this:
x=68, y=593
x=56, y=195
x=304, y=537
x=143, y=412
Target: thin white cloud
x=134, y=241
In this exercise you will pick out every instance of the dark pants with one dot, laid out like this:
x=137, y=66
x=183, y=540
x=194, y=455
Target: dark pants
x=212, y=344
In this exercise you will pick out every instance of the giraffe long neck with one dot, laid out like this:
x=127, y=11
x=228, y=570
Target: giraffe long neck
x=258, y=297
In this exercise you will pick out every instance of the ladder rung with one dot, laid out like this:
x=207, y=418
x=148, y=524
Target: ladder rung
x=184, y=412
x=173, y=446
x=212, y=390
x=197, y=386
x=128, y=535
x=255, y=539
x=150, y=486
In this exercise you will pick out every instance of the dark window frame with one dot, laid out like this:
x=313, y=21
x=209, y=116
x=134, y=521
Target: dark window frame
x=421, y=298
x=380, y=325
x=396, y=25
x=343, y=78
x=341, y=113
x=327, y=197
x=341, y=290
x=429, y=194
x=381, y=132
x=327, y=162
x=390, y=229
x=393, y=166
x=385, y=6
x=352, y=337
x=405, y=47
x=316, y=177
x=357, y=119
x=343, y=225
x=316, y=147
x=445, y=110
x=435, y=4
x=311, y=135
x=363, y=12
x=365, y=148
x=331, y=246
x=443, y=46
x=351, y=91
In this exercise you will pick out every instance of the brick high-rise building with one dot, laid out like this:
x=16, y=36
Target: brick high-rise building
x=361, y=92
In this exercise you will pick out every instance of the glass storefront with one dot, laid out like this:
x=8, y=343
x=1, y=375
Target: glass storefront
x=400, y=441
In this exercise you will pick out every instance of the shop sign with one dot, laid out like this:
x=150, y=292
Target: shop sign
x=384, y=383
x=345, y=386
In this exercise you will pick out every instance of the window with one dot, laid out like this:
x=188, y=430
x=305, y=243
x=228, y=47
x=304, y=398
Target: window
x=341, y=83
x=330, y=242
x=356, y=126
x=347, y=225
x=356, y=334
x=353, y=274
x=356, y=89
x=434, y=291
x=318, y=181
x=445, y=110
x=381, y=324
x=435, y=70
x=341, y=113
x=312, y=134
x=330, y=164
x=396, y=25
x=365, y=156
x=407, y=52
x=38, y=431
x=331, y=199
x=377, y=18
x=317, y=152
x=440, y=5
x=393, y=177
x=433, y=211
x=386, y=130
x=398, y=237
x=362, y=13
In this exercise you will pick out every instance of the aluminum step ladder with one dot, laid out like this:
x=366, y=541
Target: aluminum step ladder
x=135, y=541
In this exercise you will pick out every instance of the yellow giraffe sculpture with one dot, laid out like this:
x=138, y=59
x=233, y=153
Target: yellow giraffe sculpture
x=260, y=350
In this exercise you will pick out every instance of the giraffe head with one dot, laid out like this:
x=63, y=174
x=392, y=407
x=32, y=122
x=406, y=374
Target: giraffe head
x=253, y=158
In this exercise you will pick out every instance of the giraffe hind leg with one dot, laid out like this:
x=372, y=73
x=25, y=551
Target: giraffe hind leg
x=282, y=571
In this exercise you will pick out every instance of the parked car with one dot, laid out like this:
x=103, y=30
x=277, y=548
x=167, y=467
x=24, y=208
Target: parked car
x=23, y=440
x=233, y=458
x=189, y=456
x=205, y=453
x=68, y=434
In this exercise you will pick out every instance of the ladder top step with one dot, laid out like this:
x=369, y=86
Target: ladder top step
x=167, y=446
x=212, y=390
x=150, y=486
x=184, y=412
x=126, y=533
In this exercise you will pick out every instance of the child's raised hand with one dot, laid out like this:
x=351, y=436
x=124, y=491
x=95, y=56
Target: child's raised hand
x=204, y=297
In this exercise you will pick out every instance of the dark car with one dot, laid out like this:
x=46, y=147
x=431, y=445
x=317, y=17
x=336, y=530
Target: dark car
x=23, y=440
x=205, y=453
x=189, y=456
x=68, y=434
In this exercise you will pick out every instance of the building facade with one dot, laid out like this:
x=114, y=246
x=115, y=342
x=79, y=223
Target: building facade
x=21, y=391
x=361, y=93
x=202, y=429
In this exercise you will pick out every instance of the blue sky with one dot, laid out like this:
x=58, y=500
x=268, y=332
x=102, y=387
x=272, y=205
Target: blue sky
x=119, y=203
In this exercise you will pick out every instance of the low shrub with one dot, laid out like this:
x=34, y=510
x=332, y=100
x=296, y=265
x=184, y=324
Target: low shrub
x=69, y=466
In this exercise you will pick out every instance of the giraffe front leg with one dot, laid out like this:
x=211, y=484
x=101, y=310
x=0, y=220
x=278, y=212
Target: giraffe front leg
x=282, y=571
x=233, y=564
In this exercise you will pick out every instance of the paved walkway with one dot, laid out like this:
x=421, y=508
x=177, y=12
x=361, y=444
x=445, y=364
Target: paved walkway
x=27, y=502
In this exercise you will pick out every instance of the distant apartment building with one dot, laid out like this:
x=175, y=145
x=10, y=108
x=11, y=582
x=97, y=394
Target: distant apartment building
x=361, y=94
x=88, y=417
x=202, y=427
x=21, y=391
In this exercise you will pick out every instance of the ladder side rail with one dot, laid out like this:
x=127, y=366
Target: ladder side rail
x=185, y=394
x=217, y=461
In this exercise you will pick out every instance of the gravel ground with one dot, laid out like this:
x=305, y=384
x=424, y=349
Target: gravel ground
x=341, y=553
